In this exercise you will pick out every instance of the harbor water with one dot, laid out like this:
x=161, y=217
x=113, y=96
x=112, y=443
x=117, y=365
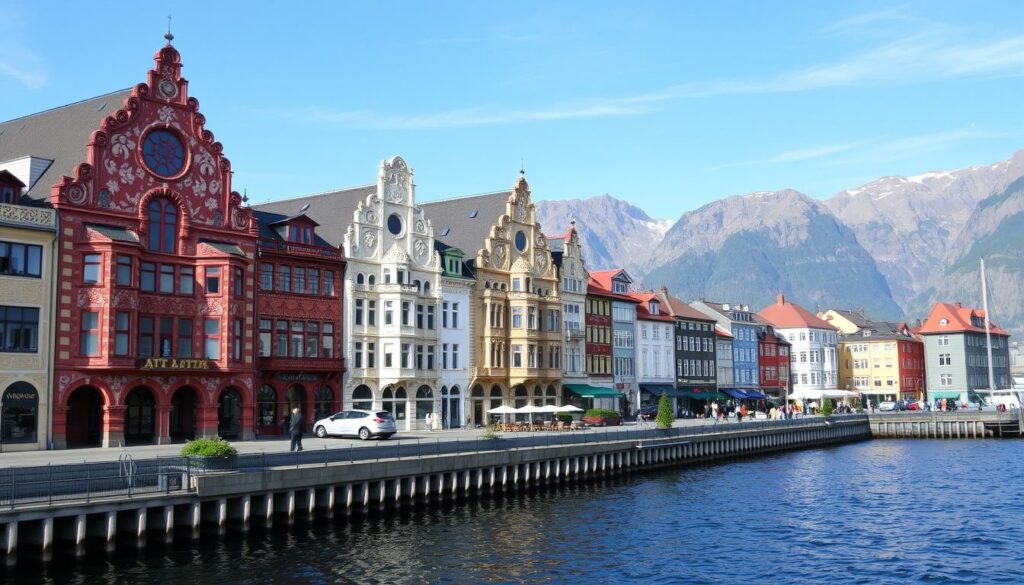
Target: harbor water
x=878, y=512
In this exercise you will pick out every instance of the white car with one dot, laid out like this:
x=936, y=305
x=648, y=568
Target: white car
x=360, y=423
x=888, y=406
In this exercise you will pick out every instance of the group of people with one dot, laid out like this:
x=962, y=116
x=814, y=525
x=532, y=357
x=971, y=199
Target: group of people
x=722, y=412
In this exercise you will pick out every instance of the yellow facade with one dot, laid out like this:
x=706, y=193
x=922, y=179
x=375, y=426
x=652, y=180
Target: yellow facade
x=871, y=367
x=839, y=321
x=27, y=266
x=517, y=337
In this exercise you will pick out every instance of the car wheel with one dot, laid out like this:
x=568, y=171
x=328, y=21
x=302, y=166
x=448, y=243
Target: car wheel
x=321, y=432
x=364, y=433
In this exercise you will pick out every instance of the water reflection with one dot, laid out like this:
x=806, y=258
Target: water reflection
x=872, y=512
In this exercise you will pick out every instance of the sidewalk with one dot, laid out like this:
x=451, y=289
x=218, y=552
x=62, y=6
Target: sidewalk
x=282, y=444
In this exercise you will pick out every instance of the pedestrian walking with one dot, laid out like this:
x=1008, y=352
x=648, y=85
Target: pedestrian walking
x=295, y=427
x=429, y=420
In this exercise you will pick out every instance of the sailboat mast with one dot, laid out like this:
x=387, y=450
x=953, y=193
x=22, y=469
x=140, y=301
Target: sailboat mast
x=988, y=329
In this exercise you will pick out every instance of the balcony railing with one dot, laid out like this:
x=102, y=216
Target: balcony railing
x=36, y=217
x=296, y=249
x=318, y=364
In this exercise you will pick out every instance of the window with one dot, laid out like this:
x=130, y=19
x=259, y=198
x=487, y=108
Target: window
x=238, y=282
x=297, y=339
x=444, y=315
x=19, y=329
x=419, y=356
x=945, y=379
x=455, y=315
x=121, y=332
x=163, y=217
x=620, y=287
x=419, y=316
x=266, y=332
x=186, y=280
x=124, y=270
x=281, y=339
x=517, y=318
x=266, y=276
x=211, y=339
x=146, y=337
x=300, y=280
x=358, y=354
x=455, y=356
x=943, y=340
x=517, y=356
x=166, y=278
x=91, y=268
x=185, y=338
x=89, y=343
x=430, y=318
x=284, y=278
x=147, y=281
x=212, y=280
x=20, y=259
x=406, y=354
x=389, y=312
x=371, y=355
x=312, y=281
x=945, y=359
x=236, y=339
x=312, y=339
x=166, y=337
x=371, y=313
x=358, y=312
x=329, y=283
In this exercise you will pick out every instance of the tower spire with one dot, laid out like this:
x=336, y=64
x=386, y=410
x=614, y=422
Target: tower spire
x=169, y=36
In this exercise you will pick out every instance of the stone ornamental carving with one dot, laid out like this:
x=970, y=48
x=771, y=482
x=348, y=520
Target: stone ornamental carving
x=541, y=261
x=520, y=212
x=371, y=216
x=420, y=248
x=420, y=226
x=396, y=180
x=369, y=240
x=541, y=242
x=30, y=216
x=499, y=255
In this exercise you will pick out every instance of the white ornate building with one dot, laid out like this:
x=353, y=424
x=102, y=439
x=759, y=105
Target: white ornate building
x=567, y=254
x=393, y=303
x=456, y=296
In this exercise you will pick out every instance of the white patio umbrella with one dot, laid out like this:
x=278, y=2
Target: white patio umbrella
x=569, y=408
x=549, y=408
x=503, y=410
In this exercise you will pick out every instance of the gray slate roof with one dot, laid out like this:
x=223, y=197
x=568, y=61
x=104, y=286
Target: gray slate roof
x=60, y=135
x=333, y=211
x=266, y=219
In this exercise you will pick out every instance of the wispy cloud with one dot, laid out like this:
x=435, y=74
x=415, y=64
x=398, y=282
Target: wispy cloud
x=922, y=52
x=482, y=116
x=17, y=61
x=797, y=155
x=32, y=79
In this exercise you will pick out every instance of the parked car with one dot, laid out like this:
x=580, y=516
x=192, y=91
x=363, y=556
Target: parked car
x=888, y=406
x=649, y=412
x=359, y=423
x=914, y=405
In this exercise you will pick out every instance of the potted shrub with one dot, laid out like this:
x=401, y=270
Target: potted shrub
x=210, y=454
x=602, y=417
x=664, y=417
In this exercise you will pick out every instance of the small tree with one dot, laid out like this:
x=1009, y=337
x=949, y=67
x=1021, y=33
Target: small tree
x=826, y=407
x=664, y=412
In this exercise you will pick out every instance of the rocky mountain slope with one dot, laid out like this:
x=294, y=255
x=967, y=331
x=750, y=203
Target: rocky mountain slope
x=892, y=246
x=615, y=233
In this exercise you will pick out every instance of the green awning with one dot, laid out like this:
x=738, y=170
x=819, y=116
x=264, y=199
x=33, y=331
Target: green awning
x=588, y=391
x=659, y=389
x=941, y=395
x=704, y=395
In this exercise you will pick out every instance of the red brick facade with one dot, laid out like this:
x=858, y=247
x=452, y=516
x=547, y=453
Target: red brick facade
x=773, y=361
x=155, y=287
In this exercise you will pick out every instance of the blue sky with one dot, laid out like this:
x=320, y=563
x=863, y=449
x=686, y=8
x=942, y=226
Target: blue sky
x=668, y=105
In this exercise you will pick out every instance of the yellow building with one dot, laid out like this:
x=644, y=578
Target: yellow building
x=27, y=236
x=517, y=316
x=880, y=360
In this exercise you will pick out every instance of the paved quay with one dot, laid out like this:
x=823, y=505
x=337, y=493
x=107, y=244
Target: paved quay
x=310, y=443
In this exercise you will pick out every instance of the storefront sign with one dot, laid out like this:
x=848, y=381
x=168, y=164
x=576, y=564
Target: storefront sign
x=173, y=364
x=298, y=377
x=21, y=395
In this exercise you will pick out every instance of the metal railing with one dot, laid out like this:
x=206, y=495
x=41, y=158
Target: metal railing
x=129, y=477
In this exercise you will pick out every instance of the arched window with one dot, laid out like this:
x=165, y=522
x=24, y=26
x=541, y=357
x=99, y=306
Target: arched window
x=426, y=287
x=371, y=279
x=323, y=402
x=360, y=279
x=163, y=220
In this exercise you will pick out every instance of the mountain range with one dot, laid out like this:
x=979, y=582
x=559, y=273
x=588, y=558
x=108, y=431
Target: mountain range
x=891, y=247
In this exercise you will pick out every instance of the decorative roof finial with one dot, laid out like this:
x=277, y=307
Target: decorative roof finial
x=245, y=197
x=169, y=36
x=572, y=221
x=522, y=168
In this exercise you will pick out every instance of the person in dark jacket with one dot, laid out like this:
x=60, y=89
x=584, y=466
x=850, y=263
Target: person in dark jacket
x=295, y=427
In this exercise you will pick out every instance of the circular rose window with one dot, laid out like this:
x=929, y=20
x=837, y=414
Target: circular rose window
x=520, y=241
x=394, y=224
x=163, y=153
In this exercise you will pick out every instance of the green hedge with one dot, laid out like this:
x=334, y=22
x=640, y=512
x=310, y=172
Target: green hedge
x=601, y=412
x=215, y=447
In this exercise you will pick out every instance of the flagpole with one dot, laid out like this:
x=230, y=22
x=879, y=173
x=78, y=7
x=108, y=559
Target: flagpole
x=988, y=329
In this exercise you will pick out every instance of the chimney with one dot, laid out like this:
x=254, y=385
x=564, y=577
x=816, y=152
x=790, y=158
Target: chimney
x=958, y=305
x=780, y=299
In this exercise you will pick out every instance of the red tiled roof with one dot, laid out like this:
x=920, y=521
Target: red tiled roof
x=784, y=314
x=641, y=310
x=958, y=320
x=679, y=308
x=722, y=332
x=595, y=288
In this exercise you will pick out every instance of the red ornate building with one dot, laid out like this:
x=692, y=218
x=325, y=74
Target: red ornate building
x=299, y=335
x=155, y=308
x=773, y=359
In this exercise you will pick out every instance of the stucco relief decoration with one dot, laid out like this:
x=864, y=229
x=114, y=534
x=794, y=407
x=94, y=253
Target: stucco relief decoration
x=498, y=256
x=90, y=297
x=520, y=212
x=211, y=307
x=420, y=249
x=370, y=216
x=124, y=299
x=396, y=181
x=369, y=240
x=541, y=262
x=420, y=226
x=541, y=241
x=239, y=221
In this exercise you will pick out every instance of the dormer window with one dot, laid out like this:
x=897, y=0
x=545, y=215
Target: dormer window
x=300, y=234
x=655, y=308
x=7, y=194
x=943, y=322
x=619, y=287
